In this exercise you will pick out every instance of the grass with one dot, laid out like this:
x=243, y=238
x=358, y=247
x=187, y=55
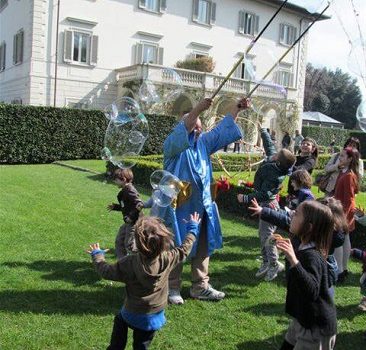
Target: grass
x=51, y=298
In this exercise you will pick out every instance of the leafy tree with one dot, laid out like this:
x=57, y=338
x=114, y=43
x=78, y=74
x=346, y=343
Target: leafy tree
x=334, y=93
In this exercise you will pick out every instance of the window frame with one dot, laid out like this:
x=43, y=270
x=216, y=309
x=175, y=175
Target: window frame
x=160, y=6
x=285, y=39
x=88, y=48
x=285, y=72
x=17, y=57
x=243, y=25
x=210, y=13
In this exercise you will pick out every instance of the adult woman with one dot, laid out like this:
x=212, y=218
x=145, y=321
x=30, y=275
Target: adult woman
x=346, y=187
x=333, y=169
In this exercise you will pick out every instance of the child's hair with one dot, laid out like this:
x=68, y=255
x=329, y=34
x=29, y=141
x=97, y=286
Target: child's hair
x=124, y=174
x=152, y=236
x=302, y=178
x=315, y=146
x=354, y=140
x=354, y=165
x=335, y=205
x=318, y=225
x=285, y=159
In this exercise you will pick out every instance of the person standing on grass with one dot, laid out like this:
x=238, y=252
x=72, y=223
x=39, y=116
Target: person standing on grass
x=308, y=302
x=297, y=141
x=146, y=276
x=187, y=152
x=346, y=187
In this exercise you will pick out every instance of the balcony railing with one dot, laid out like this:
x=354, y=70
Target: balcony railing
x=199, y=80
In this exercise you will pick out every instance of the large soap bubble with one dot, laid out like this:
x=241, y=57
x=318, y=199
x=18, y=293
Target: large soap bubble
x=357, y=58
x=126, y=133
x=162, y=85
x=166, y=187
x=361, y=115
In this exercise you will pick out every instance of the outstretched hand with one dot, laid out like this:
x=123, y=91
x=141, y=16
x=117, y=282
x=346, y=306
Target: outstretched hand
x=195, y=217
x=193, y=224
x=255, y=207
x=95, y=247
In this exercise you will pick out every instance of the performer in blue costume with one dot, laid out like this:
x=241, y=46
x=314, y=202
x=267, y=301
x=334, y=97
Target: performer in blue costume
x=187, y=155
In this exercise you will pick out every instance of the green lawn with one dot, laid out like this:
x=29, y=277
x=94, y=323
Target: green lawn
x=51, y=298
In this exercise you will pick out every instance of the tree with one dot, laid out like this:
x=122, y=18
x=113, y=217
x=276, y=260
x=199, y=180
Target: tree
x=332, y=92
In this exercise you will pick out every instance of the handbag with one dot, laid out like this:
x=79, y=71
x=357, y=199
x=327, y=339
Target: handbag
x=321, y=180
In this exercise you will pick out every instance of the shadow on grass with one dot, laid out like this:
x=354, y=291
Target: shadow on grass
x=65, y=302
x=273, y=343
x=78, y=273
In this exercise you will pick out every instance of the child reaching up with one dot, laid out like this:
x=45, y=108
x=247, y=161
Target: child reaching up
x=146, y=276
x=267, y=182
x=308, y=302
x=130, y=204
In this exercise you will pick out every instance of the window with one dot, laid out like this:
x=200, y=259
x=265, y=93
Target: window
x=17, y=101
x=246, y=70
x=287, y=34
x=18, y=46
x=76, y=104
x=204, y=12
x=153, y=5
x=248, y=23
x=80, y=48
x=2, y=56
x=3, y=4
x=146, y=52
x=196, y=55
x=284, y=76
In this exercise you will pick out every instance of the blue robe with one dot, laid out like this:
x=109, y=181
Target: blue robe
x=189, y=160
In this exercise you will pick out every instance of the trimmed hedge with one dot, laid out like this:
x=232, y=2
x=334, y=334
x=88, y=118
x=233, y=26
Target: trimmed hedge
x=323, y=136
x=34, y=134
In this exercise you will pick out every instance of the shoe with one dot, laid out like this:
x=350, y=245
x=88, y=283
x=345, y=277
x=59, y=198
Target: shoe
x=273, y=271
x=210, y=294
x=174, y=297
x=262, y=270
x=342, y=276
x=362, y=304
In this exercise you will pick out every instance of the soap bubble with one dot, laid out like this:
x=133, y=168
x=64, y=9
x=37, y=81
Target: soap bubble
x=361, y=115
x=156, y=177
x=166, y=187
x=161, y=199
x=357, y=58
x=126, y=133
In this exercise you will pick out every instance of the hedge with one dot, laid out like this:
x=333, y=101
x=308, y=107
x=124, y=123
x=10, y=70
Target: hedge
x=323, y=136
x=34, y=134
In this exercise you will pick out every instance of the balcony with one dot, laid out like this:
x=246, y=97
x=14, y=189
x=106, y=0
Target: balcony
x=207, y=82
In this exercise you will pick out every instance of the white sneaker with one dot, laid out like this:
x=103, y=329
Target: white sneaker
x=262, y=270
x=210, y=294
x=174, y=297
x=273, y=271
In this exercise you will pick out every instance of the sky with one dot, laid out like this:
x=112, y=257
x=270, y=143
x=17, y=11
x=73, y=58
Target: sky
x=328, y=43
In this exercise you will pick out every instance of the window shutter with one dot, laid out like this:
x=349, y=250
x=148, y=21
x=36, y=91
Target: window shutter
x=256, y=25
x=4, y=55
x=138, y=53
x=20, y=48
x=162, y=5
x=282, y=33
x=294, y=35
x=14, y=49
x=142, y=4
x=213, y=13
x=195, y=10
x=94, y=50
x=160, y=55
x=241, y=22
x=67, y=46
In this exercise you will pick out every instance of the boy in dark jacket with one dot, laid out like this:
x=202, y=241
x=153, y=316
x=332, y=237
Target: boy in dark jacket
x=130, y=205
x=267, y=182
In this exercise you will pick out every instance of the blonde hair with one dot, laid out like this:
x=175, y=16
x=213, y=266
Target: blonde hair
x=152, y=236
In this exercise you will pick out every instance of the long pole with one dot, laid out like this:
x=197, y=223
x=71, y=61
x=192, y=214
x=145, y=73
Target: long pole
x=247, y=51
x=286, y=52
x=56, y=53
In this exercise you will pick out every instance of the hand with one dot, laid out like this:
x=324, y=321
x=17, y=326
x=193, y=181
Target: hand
x=244, y=103
x=140, y=206
x=110, y=207
x=193, y=224
x=255, y=207
x=94, y=247
x=286, y=246
x=204, y=105
x=195, y=217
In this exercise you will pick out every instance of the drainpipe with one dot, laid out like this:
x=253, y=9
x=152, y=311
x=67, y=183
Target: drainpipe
x=56, y=53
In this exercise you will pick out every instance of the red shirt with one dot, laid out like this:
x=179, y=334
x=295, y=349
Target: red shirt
x=345, y=190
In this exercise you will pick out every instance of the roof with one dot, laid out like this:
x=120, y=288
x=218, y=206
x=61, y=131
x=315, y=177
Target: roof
x=297, y=8
x=319, y=117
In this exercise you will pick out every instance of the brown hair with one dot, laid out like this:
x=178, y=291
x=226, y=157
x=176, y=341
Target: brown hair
x=315, y=146
x=152, y=236
x=124, y=174
x=318, y=225
x=302, y=178
x=354, y=140
x=354, y=165
x=285, y=159
x=335, y=205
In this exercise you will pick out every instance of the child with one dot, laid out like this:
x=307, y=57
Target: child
x=301, y=182
x=361, y=255
x=267, y=182
x=314, y=323
x=130, y=205
x=146, y=276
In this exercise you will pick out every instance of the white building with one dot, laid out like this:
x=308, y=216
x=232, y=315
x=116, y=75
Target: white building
x=101, y=44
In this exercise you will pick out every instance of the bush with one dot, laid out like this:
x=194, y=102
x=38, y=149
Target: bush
x=33, y=134
x=323, y=136
x=202, y=64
